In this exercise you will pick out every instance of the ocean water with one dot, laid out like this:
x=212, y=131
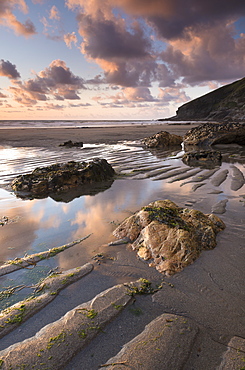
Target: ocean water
x=73, y=123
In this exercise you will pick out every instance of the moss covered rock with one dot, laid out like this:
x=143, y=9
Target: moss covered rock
x=61, y=177
x=170, y=237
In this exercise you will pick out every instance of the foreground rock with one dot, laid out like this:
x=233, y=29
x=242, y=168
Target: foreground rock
x=62, y=177
x=234, y=357
x=203, y=158
x=215, y=133
x=56, y=343
x=162, y=139
x=164, y=344
x=170, y=236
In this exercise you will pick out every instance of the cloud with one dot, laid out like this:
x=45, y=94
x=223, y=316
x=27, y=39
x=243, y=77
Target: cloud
x=51, y=29
x=8, y=69
x=56, y=81
x=8, y=19
x=123, y=52
x=2, y=95
x=212, y=54
x=172, y=95
x=54, y=13
x=70, y=38
x=199, y=41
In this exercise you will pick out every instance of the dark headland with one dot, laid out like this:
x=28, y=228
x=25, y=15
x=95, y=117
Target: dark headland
x=224, y=104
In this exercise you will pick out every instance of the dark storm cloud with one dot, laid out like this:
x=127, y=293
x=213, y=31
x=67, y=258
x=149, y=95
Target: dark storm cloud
x=8, y=69
x=198, y=37
x=106, y=39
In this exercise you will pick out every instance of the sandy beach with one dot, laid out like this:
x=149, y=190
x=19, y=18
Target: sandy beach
x=47, y=137
x=209, y=292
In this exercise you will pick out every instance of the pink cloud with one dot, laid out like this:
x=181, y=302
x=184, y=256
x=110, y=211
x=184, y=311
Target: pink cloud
x=56, y=81
x=8, y=19
x=54, y=13
x=70, y=38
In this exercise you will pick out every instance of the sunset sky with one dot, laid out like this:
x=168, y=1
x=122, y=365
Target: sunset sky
x=115, y=59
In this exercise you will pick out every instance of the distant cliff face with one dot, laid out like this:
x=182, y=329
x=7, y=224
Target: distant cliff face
x=223, y=104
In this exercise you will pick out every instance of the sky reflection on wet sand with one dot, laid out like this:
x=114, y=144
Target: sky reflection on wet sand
x=39, y=224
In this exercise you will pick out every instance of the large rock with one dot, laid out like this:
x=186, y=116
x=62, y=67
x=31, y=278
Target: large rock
x=169, y=236
x=215, y=133
x=62, y=177
x=162, y=139
x=165, y=344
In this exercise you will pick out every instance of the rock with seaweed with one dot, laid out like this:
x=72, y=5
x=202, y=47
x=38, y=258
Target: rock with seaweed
x=168, y=236
x=62, y=177
x=162, y=139
x=215, y=133
x=56, y=343
x=33, y=259
x=44, y=292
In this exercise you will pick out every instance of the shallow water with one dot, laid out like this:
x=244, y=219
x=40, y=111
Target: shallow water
x=144, y=176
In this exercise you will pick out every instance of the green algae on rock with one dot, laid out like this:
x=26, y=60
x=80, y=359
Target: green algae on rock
x=61, y=177
x=169, y=236
x=45, y=292
x=32, y=259
x=56, y=343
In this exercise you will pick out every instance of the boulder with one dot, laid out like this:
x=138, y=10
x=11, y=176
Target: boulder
x=70, y=144
x=202, y=158
x=215, y=133
x=162, y=139
x=169, y=236
x=61, y=177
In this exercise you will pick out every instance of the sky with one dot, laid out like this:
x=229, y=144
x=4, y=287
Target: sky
x=115, y=59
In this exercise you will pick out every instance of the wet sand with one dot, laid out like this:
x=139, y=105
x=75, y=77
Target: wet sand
x=210, y=291
x=48, y=137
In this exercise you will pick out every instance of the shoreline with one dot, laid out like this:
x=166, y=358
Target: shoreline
x=50, y=136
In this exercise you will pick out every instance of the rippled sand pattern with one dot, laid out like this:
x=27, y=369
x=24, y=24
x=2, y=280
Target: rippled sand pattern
x=132, y=161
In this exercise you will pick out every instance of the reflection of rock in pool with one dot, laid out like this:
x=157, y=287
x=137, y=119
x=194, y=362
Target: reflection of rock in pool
x=61, y=178
x=173, y=237
x=202, y=158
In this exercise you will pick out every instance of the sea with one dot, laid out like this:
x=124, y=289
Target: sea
x=73, y=123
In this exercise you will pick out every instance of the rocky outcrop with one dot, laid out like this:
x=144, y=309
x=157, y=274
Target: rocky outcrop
x=159, y=340
x=62, y=177
x=223, y=104
x=70, y=144
x=215, y=133
x=233, y=358
x=169, y=236
x=203, y=158
x=162, y=139
x=56, y=343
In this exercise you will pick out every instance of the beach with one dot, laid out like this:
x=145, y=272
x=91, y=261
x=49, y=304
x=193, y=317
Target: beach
x=209, y=292
x=48, y=137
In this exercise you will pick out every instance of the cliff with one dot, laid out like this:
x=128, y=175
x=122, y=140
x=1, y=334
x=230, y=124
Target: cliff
x=223, y=104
